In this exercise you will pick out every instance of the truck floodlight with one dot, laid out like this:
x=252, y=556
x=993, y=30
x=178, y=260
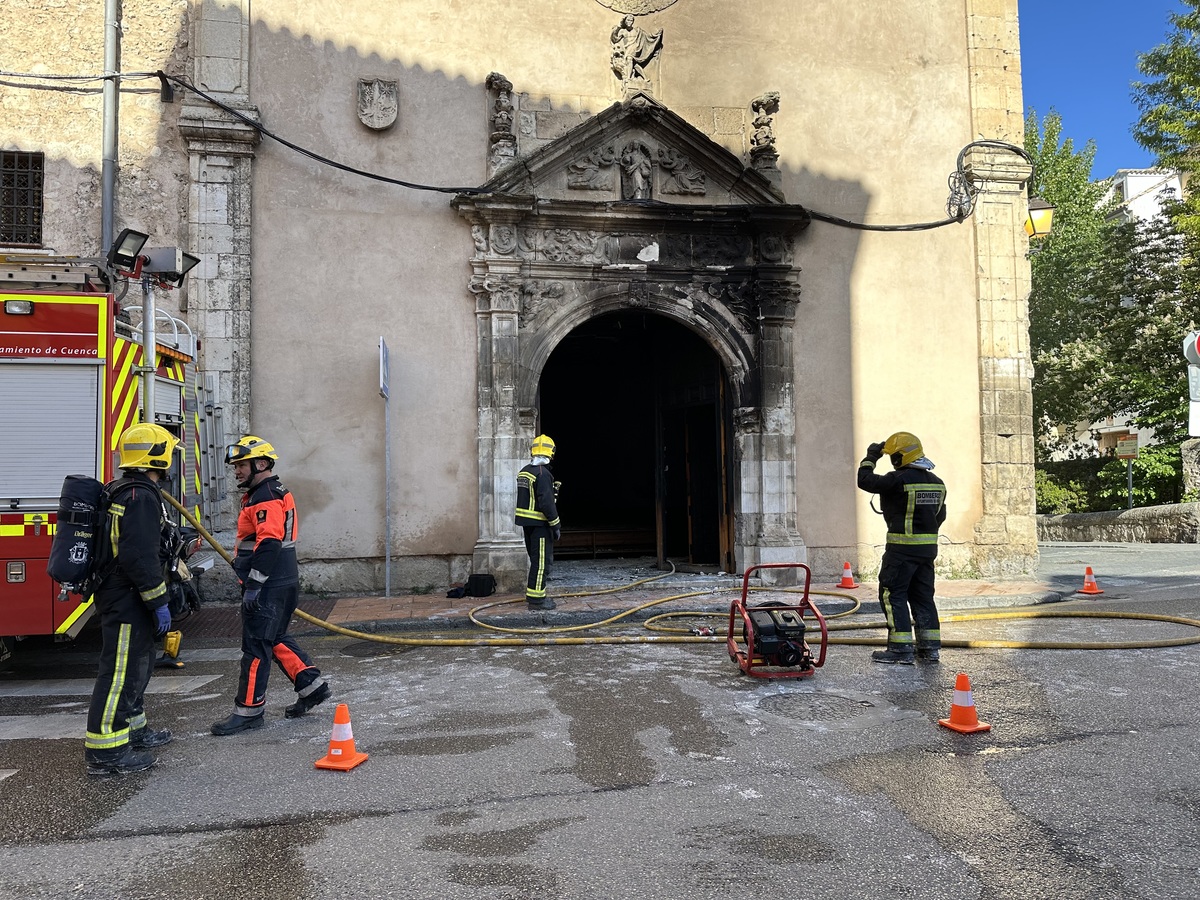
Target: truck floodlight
x=169, y=264
x=18, y=307
x=125, y=249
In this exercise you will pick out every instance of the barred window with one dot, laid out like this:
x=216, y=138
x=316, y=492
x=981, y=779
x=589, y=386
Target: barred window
x=21, y=178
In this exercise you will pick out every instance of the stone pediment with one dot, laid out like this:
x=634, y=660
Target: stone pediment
x=637, y=150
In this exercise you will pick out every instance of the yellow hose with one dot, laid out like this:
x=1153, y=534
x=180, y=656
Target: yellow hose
x=539, y=637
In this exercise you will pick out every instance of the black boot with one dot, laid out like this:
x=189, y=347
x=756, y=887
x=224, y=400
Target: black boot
x=146, y=738
x=236, y=723
x=544, y=603
x=304, y=704
x=928, y=654
x=119, y=762
x=893, y=655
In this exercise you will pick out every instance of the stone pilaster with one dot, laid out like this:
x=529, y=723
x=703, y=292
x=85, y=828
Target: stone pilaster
x=1006, y=533
x=220, y=152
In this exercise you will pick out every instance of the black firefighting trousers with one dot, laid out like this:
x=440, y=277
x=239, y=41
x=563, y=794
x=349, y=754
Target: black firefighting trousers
x=265, y=638
x=126, y=664
x=906, y=587
x=539, y=544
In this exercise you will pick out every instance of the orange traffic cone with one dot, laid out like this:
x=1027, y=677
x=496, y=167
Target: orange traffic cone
x=1089, y=583
x=962, y=709
x=847, y=578
x=342, y=755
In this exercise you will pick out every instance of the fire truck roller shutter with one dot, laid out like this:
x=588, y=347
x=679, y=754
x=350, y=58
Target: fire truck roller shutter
x=49, y=429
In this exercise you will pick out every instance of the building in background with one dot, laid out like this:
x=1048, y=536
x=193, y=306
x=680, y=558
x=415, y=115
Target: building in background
x=619, y=226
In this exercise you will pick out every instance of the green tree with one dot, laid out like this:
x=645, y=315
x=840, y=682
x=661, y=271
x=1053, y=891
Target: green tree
x=1066, y=336
x=1169, y=102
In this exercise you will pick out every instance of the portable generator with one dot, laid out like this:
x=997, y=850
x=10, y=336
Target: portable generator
x=773, y=634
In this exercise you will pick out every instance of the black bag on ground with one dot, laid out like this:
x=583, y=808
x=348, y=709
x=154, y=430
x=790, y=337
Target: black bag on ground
x=481, y=585
x=73, y=550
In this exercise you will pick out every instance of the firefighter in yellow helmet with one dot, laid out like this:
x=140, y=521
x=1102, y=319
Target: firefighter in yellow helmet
x=537, y=514
x=266, y=566
x=131, y=598
x=913, y=502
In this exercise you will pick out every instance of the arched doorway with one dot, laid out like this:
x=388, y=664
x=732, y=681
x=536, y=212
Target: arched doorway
x=638, y=405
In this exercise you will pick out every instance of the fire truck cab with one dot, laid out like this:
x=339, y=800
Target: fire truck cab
x=70, y=367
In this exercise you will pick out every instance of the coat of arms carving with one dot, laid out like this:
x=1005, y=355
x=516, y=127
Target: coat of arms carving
x=378, y=103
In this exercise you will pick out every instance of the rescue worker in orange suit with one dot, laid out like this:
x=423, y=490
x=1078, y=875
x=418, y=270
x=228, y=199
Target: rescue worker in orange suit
x=265, y=564
x=913, y=502
x=132, y=602
x=537, y=514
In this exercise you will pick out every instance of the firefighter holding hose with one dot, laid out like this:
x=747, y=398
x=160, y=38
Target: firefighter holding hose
x=913, y=502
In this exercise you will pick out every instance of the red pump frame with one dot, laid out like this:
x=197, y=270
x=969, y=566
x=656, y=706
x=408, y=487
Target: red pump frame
x=744, y=658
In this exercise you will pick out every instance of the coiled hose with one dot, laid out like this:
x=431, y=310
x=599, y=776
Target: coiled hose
x=559, y=635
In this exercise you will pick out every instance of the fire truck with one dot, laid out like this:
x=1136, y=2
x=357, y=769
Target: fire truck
x=71, y=366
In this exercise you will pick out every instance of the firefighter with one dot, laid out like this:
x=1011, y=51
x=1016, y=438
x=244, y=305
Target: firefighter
x=537, y=515
x=913, y=502
x=132, y=602
x=265, y=564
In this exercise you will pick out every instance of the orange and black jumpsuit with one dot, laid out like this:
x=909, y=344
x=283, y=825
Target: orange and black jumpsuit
x=266, y=558
x=913, y=503
x=537, y=515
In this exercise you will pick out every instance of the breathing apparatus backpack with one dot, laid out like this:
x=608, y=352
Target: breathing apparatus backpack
x=75, y=551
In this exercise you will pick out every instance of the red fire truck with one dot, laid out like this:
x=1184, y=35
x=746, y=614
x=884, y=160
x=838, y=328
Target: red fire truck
x=69, y=385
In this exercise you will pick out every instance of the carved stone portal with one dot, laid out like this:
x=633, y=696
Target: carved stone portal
x=545, y=262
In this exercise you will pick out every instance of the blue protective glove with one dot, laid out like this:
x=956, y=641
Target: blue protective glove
x=250, y=599
x=557, y=532
x=162, y=620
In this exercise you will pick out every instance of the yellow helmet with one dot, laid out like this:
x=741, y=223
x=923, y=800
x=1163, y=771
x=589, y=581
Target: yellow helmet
x=145, y=446
x=249, y=447
x=542, y=446
x=903, y=448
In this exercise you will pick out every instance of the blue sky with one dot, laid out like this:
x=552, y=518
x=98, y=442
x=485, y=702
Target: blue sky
x=1079, y=57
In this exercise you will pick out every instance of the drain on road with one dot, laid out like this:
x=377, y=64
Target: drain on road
x=826, y=710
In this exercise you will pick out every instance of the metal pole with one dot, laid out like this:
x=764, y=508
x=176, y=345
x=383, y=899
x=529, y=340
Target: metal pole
x=1129, y=475
x=387, y=497
x=108, y=172
x=149, y=350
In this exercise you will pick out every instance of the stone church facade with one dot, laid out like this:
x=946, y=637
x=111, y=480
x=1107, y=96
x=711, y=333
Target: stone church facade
x=672, y=168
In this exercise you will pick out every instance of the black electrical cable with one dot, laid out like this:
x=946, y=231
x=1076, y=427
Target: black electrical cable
x=265, y=132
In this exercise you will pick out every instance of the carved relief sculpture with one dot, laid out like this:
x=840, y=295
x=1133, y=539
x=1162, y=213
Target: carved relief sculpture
x=636, y=167
x=679, y=175
x=632, y=51
x=593, y=171
x=378, y=103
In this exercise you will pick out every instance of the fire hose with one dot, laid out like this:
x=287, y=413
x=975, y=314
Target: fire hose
x=556, y=636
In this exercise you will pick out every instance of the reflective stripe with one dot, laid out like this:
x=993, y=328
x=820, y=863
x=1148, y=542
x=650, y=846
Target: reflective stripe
x=154, y=593
x=911, y=539
x=962, y=698
x=106, y=738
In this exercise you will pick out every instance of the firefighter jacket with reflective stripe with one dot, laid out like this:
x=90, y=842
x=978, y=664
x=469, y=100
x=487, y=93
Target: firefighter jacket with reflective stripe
x=136, y=536
x=913, y=502
x=266, y=535
x=535, y=497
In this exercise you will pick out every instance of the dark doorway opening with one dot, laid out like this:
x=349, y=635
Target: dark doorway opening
x=636, y=404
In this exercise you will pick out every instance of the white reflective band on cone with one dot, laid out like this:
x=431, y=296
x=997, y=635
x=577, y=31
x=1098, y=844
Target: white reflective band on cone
x=343, y=733
x=961, y=698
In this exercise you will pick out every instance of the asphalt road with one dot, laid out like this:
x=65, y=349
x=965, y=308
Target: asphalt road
x=605, y=772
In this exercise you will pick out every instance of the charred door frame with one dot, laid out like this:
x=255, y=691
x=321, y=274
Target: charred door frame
x=541, y=268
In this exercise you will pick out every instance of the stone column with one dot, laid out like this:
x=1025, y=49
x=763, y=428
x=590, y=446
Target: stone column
x=220, y=150
x=767, y=531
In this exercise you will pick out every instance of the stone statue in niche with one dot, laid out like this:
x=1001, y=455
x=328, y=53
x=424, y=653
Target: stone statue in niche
x=593, y=171
x=681, y=177
x=633, y=49
x=636, y=167
x=378, y=103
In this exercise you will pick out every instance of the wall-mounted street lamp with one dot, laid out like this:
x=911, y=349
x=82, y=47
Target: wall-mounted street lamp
x=1040, y=219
